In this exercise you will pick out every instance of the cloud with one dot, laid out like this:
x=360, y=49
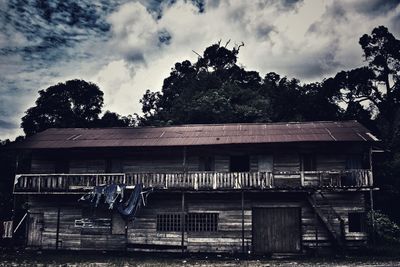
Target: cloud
x=127, y=47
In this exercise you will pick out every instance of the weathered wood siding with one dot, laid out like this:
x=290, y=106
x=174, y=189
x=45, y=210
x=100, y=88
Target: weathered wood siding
x=142, y=233
x=87, y=166
x=39, y=165
x=161, y=165
x=287, y=162
x=70, y=235
x=221, y=163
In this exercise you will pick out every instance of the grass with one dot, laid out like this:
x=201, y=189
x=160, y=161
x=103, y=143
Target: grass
x=79, y=258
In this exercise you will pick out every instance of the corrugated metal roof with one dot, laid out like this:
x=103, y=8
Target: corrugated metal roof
x=205, y=134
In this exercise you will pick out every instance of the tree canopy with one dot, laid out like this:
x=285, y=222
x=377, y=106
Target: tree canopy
x=215, y=89
x=374, y=89
x=75, y=103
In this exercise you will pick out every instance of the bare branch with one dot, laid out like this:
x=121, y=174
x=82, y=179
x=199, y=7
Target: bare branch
x=197, y=54
x=239, y=46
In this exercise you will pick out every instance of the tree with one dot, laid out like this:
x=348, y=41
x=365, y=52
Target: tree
x=75, y=103
x=212, y=90
x=112, y=119
x=372, y=95
x=375, y=87
x=215, y=89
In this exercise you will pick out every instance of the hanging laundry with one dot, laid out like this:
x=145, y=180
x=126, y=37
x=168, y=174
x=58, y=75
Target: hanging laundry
x=132, y=205
x=112, y=192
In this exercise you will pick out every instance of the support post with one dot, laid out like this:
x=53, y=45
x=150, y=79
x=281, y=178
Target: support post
x=183, y=223
x=184, y=159
x=58, y=228
x=316, y=226
x=243, y=249
x=371, y=178
x=371, y=200
x=184, y=169
x=316, y=234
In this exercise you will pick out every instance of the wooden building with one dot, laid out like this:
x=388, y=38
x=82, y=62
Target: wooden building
x=235, y=188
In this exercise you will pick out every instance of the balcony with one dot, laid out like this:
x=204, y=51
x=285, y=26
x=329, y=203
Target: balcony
x=78, y=183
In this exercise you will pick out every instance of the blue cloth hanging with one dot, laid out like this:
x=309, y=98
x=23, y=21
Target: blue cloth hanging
x=132, y=205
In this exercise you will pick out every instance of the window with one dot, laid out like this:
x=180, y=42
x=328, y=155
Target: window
x=194, y=222
x=169, y=222
x=308, y=162
x=207, y=164
x=357, y=221
x=239, y=163
x=202, y=222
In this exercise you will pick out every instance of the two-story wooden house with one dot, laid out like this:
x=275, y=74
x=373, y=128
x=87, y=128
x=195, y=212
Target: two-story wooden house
x=246, y=188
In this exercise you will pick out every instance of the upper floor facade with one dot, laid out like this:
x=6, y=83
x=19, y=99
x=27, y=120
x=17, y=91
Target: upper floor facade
x=293, y=156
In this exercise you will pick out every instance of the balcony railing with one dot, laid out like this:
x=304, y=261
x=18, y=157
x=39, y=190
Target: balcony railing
x=70, y=183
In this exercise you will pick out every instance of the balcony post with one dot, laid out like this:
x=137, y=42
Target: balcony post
x=183, y=223
x=243, y=251
x=39, y=182
x=371, y=200
x=370, y=173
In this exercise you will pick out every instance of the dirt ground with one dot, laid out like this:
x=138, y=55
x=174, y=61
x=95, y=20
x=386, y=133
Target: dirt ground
x=102, y=259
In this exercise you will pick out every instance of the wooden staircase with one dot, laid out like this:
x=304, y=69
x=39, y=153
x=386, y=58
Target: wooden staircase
x=332, y=221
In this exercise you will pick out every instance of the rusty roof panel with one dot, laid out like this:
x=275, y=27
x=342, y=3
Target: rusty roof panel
x=209, y=134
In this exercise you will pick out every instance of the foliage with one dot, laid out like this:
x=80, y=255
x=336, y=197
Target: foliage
x=385, y=229
x=377, y=85
x=112, y=119
x=75, y=103
x=215, y=89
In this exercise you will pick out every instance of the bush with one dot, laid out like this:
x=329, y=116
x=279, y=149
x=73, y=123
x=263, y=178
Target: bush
x=385, y=230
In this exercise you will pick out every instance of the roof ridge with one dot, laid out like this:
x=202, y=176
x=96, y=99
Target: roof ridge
x=205, y=124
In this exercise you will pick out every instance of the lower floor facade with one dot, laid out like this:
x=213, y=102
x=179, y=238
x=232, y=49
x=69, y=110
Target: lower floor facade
x=213, y=222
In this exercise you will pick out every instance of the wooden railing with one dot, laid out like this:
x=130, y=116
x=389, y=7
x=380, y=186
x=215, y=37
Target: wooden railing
x=43, y=183
x=53, y=183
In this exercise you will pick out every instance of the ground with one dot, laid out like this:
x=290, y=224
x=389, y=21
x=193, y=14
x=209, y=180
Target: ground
x=107, y=259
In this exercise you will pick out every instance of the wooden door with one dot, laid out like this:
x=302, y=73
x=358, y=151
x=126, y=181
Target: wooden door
x=276, y=230
x=35, y=229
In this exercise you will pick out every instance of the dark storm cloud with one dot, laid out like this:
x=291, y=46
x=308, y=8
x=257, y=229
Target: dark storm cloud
x=376, y=7
x=164, y=37
x=7, y=125
x=37, y=35
x=264, y=31
x=52, y=25
x=156, y=6
x=281, y=5
x=318, y=65
x=395, y=24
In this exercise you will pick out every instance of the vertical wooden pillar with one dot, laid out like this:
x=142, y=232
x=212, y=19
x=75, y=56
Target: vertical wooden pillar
x=371, y=200
x=58, y=228
x=184, y=158
x=316, y=233
x=243, y=249
x=126, y=234
x=370, y=181
x=183, y=223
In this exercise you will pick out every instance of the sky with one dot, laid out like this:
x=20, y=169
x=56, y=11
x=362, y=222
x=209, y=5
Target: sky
x=127, y=47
